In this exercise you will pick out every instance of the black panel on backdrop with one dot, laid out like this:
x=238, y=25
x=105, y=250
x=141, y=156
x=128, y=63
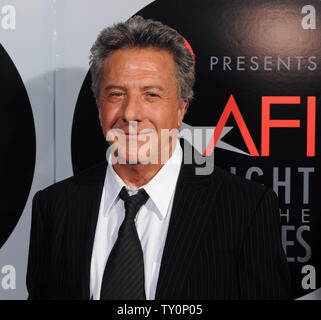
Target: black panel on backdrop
x=88, y=145
x=249, y=49
x=17, y=145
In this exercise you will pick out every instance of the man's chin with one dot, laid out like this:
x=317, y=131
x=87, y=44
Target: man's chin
x=134, y=159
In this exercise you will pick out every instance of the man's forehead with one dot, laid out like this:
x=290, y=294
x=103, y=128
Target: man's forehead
x=139, y=64
x=139, y=56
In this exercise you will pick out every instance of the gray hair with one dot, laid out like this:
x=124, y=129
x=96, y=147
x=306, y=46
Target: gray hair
x=138, y=32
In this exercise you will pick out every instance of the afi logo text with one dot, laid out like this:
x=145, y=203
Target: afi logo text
x=266, y=124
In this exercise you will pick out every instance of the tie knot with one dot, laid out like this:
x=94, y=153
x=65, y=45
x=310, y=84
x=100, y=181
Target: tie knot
x=134, y=202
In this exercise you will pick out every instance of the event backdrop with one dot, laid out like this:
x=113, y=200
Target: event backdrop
x=258, y=75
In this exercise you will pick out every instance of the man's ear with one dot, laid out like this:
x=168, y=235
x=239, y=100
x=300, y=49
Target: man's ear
x=181, y=112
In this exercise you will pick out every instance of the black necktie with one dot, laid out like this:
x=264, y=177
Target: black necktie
x=123, y=277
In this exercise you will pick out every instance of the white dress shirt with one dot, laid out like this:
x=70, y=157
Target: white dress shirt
x=151, y=222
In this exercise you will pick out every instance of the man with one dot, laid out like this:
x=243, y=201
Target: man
x=144, y=225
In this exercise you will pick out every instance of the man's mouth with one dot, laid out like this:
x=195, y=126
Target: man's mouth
x=140, y=133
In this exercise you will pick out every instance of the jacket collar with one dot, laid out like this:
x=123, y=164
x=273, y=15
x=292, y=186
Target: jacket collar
x=189, y=217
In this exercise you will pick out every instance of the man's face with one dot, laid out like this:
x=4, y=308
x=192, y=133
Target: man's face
x=139, y=86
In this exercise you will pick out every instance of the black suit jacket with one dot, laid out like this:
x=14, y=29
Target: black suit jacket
x=223, y=240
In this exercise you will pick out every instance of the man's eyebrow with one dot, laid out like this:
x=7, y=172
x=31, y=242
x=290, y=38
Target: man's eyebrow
x=115, y=87
x=110, y=87
x=152, y=87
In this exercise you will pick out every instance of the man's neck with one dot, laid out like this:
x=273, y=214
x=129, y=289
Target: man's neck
x=136, y=175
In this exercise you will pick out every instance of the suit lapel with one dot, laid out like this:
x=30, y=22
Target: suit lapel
x=85, y=197
x=190, y=213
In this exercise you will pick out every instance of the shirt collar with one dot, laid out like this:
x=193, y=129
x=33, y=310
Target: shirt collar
x=112, y=186
x=160, y=188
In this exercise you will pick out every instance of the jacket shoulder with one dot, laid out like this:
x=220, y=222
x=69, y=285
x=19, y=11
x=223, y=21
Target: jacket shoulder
x=240, y=187
x=91, y=176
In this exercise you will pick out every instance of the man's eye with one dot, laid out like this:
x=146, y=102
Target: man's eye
x=115, y=94
x=153, y=94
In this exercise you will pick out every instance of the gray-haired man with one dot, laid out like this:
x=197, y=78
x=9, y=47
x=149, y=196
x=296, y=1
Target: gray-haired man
x=144, y=225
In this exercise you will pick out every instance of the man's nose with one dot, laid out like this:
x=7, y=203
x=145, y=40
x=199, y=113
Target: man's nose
x=133, y=108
